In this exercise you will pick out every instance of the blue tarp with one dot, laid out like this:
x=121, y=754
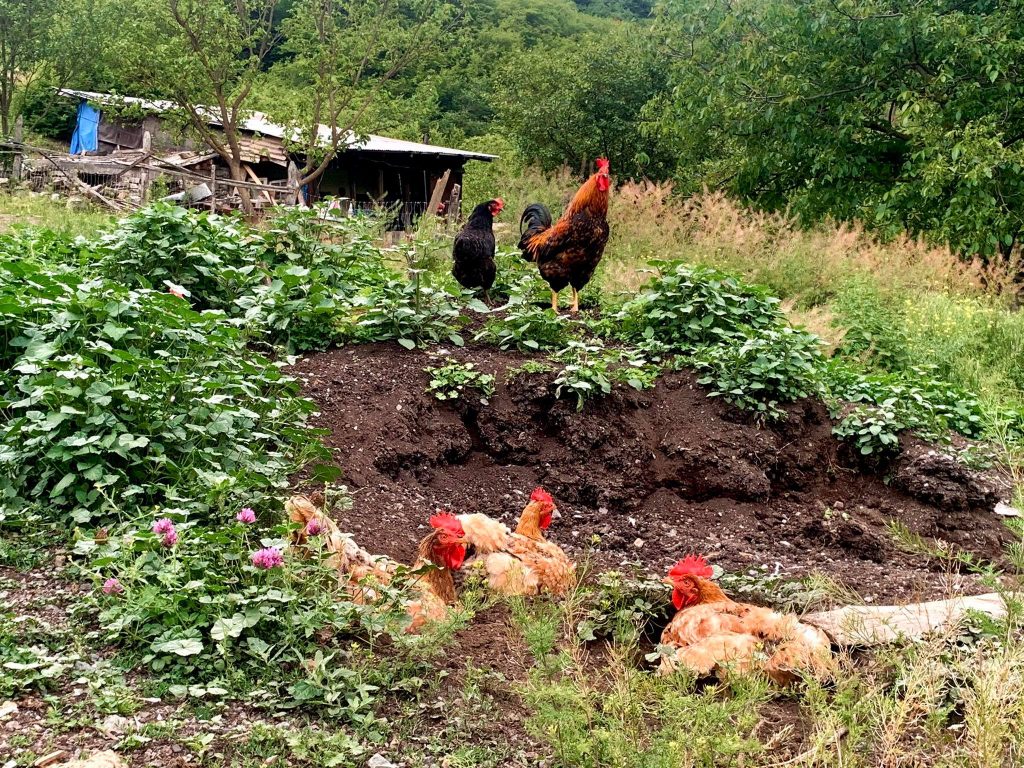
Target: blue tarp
x=87, y=125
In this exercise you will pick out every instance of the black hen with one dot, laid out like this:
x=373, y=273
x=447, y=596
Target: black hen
x=473, y=251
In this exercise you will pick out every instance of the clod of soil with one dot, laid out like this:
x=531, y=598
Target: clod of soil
x=640, y=478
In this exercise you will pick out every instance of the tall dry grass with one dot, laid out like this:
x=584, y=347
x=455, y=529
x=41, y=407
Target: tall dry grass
x=806, y=265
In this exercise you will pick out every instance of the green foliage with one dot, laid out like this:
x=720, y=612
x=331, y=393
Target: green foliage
x=452, y=380
x=528, y=328
x=564, y=105
x=118, y=400
x=873, y=430
x=763, y=371
x=922, y=401
x=200, y=608
x=872, y=329
x=409, y=312
x=624, y=609
x=587, y=372
x=215, y=259
x=590, y=369
x=907, y=119
x=686, y=306
x=31, y=659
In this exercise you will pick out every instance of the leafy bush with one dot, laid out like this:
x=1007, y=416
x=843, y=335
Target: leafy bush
x=527, y=328
x=118, y=400
x=296, y=308
x=200, y=605
x=450, y=381
x=766, y=369
x=921, y=401
x=590, y=370
x=407, y=312
x=687, y=306
x=872, y=429
x=872, y=330
x=216, y=259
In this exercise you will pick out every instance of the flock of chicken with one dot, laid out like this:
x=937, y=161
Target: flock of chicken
x=710, y=634
x=566, y=252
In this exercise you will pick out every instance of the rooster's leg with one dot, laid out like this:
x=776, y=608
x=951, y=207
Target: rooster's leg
x=554, y=301
x=575, y=301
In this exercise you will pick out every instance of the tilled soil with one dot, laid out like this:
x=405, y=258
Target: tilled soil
x=640, y=478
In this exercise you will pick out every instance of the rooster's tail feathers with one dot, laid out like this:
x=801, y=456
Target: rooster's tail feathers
x=535, y=219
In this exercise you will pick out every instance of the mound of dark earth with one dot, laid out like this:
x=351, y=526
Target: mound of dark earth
x=640, y=478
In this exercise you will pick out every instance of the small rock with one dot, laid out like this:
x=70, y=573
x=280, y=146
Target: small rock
x=838, y=505
x=639, y=543
x=379, y=761
x=7, y=709
x=113, y=725
x=1005, y=510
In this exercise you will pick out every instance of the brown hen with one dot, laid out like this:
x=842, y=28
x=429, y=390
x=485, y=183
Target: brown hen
x=713, y=635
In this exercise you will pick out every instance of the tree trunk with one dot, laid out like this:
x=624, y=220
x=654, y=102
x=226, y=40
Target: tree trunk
x=238, y=174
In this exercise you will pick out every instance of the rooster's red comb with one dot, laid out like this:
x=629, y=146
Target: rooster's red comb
x=539, y=494
x=691, y=565
x=445, y=521
x=602, y=165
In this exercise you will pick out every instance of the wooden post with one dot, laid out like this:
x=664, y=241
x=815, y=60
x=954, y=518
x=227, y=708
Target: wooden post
x=19, y=137
x=435, y=198
x=147, y=175
x=455, y=205
x=213, y=186
x=293, y=183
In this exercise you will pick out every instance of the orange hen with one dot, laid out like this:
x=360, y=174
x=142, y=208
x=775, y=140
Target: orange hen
x=441, y=551
x=524, y=562
x=712, y=634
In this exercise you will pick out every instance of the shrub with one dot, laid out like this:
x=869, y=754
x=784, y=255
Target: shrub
x=118, y=400
x=920, y=400
x=450, y=381
x=872, y=329
x=207, y=603
x=872, y=429
x=586, y=373
x=527, y=328
x=590, y=370
x=297, y=308
x=408, y=312
x=216, y=259
x=768, y=368
x=687, y=306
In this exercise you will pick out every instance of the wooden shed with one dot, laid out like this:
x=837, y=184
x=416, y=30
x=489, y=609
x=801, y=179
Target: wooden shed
x=406, y=177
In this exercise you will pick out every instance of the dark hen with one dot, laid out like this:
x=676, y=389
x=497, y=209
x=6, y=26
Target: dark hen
x=473, y=250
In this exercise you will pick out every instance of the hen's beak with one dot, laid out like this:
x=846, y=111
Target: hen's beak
x=555, y=514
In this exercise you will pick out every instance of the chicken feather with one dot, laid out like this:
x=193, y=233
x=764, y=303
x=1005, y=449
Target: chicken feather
x=713, y=635
x=514, y=563
x=432, y=589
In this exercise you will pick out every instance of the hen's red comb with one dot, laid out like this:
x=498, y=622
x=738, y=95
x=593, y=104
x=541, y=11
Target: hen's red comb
x=602, y=165
x=447, y=522
x=539, y=494
x=691, y=565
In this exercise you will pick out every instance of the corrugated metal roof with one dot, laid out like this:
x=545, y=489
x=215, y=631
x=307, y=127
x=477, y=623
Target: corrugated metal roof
x=257, y=122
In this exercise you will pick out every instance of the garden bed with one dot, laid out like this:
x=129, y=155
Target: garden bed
x=642, y=478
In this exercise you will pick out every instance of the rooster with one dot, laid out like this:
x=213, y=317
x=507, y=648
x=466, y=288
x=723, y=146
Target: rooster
x=567, y=252
x=473, y=250
x=441, y=551
x=524, y=562
x=711, y=634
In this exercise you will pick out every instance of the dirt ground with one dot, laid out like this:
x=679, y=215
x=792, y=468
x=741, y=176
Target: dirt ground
x=640, y=478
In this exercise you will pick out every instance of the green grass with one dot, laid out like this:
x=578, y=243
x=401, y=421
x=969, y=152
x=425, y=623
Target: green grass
x=957, y=699
x=24, y=209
